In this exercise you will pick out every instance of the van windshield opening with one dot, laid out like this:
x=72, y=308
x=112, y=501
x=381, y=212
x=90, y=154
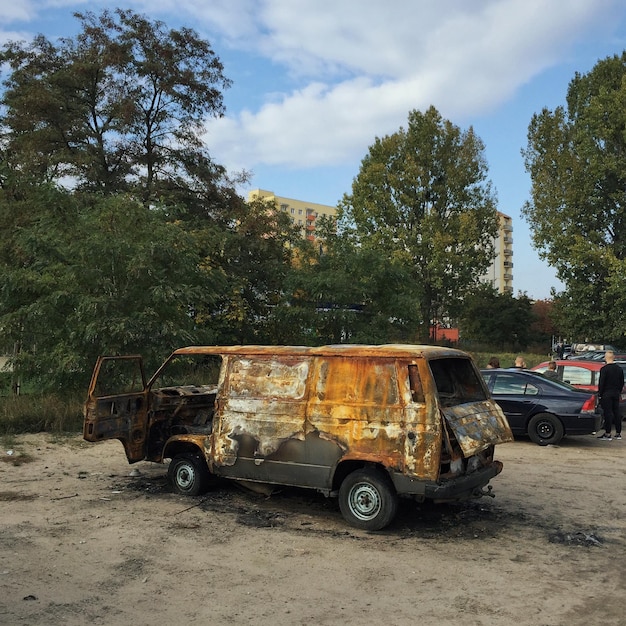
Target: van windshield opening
x=185, y=370
x=457, y=381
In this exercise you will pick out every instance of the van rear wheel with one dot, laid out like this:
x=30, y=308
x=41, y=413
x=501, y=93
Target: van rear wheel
x=188, y=474
x=367, y=499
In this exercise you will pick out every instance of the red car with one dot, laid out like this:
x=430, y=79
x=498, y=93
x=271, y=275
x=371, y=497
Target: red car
x=584, y=375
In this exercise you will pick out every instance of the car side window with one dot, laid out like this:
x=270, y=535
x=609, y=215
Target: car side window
x=577, y=375
x=530, y=390
x=508, y=385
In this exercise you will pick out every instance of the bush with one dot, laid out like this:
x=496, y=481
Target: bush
x=507, y=359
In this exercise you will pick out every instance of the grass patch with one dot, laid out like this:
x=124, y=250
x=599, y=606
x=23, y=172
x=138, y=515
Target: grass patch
x=40, y=413
x=507, y=359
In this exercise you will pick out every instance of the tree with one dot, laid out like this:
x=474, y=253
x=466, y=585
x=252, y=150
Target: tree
x=423, y=201
x=342, y=292
x=255, y=256
x=118, y=233
x=576, y=157
x=497, y=320
x=119, y=107
x=84, y=276
x=543, y=328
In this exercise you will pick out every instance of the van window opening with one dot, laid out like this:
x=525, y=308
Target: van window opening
x=415, y=382
x=457, y=381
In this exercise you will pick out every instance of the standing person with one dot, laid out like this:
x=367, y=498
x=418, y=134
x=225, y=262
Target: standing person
x=610, y=388
x=520, y=364
x=494, y=363
x=551, y=371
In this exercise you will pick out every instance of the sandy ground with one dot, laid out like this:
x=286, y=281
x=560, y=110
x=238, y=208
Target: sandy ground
x=86, y=538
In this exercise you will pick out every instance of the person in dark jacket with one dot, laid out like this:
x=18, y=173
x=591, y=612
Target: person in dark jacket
x=610, y=388
x=551, y=371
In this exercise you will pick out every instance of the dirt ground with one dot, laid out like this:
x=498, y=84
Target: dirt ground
x=86, y=538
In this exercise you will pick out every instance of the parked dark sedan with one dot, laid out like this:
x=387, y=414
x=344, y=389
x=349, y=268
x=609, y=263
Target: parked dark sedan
x=546, y=410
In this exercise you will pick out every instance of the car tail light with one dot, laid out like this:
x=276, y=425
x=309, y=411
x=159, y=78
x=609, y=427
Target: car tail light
x=589, y=406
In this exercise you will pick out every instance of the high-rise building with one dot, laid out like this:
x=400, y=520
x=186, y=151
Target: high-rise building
x=500, y=274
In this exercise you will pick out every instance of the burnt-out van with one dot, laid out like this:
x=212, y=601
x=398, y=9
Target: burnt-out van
x=367, y=424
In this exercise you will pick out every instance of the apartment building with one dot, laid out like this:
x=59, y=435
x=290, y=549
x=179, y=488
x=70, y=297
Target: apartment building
x=500, y=274
x=303, y=214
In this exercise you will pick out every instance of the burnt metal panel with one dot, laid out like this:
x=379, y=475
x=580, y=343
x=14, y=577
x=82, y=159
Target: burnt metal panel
x=357, y=403
x=262, y=398
x=478, y=425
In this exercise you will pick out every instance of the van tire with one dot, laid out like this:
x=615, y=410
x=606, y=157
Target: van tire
x=188, y=474
x=367, y=499
x=545, y=429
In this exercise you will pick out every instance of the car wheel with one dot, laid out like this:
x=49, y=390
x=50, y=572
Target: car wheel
x=188, y=474
x=545, y=429
x=367, y=499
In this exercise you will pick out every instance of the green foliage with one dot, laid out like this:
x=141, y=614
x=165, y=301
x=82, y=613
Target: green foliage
x=576, y=156
x=118, y=234
x=496, y=319
x=346, y=293
x=95, y=276
x=119, y=107
x=255, y=257
x=423, y=206
x=507, y=359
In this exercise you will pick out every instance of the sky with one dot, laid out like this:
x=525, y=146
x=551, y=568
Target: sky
x=315, y=82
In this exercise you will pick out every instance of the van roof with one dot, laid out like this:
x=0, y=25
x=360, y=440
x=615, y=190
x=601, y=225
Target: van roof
x=345, y=350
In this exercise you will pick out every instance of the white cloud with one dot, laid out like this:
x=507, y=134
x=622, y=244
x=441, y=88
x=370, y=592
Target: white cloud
x=355, y=70
x=369, y=67
x=15, y=11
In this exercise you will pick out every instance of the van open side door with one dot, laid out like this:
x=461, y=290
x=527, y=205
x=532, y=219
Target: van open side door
x=117, y=404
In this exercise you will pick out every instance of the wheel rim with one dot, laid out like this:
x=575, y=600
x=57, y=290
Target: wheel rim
x=364, y=501
x=185, y=476
x=545, y=429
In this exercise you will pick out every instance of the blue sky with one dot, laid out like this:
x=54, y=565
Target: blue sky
x=316, y=81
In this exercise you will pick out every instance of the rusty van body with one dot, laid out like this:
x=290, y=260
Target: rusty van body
x=364, y=423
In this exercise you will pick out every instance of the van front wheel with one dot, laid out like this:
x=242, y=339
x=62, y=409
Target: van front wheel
x=367, y=499
x=188, y=474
